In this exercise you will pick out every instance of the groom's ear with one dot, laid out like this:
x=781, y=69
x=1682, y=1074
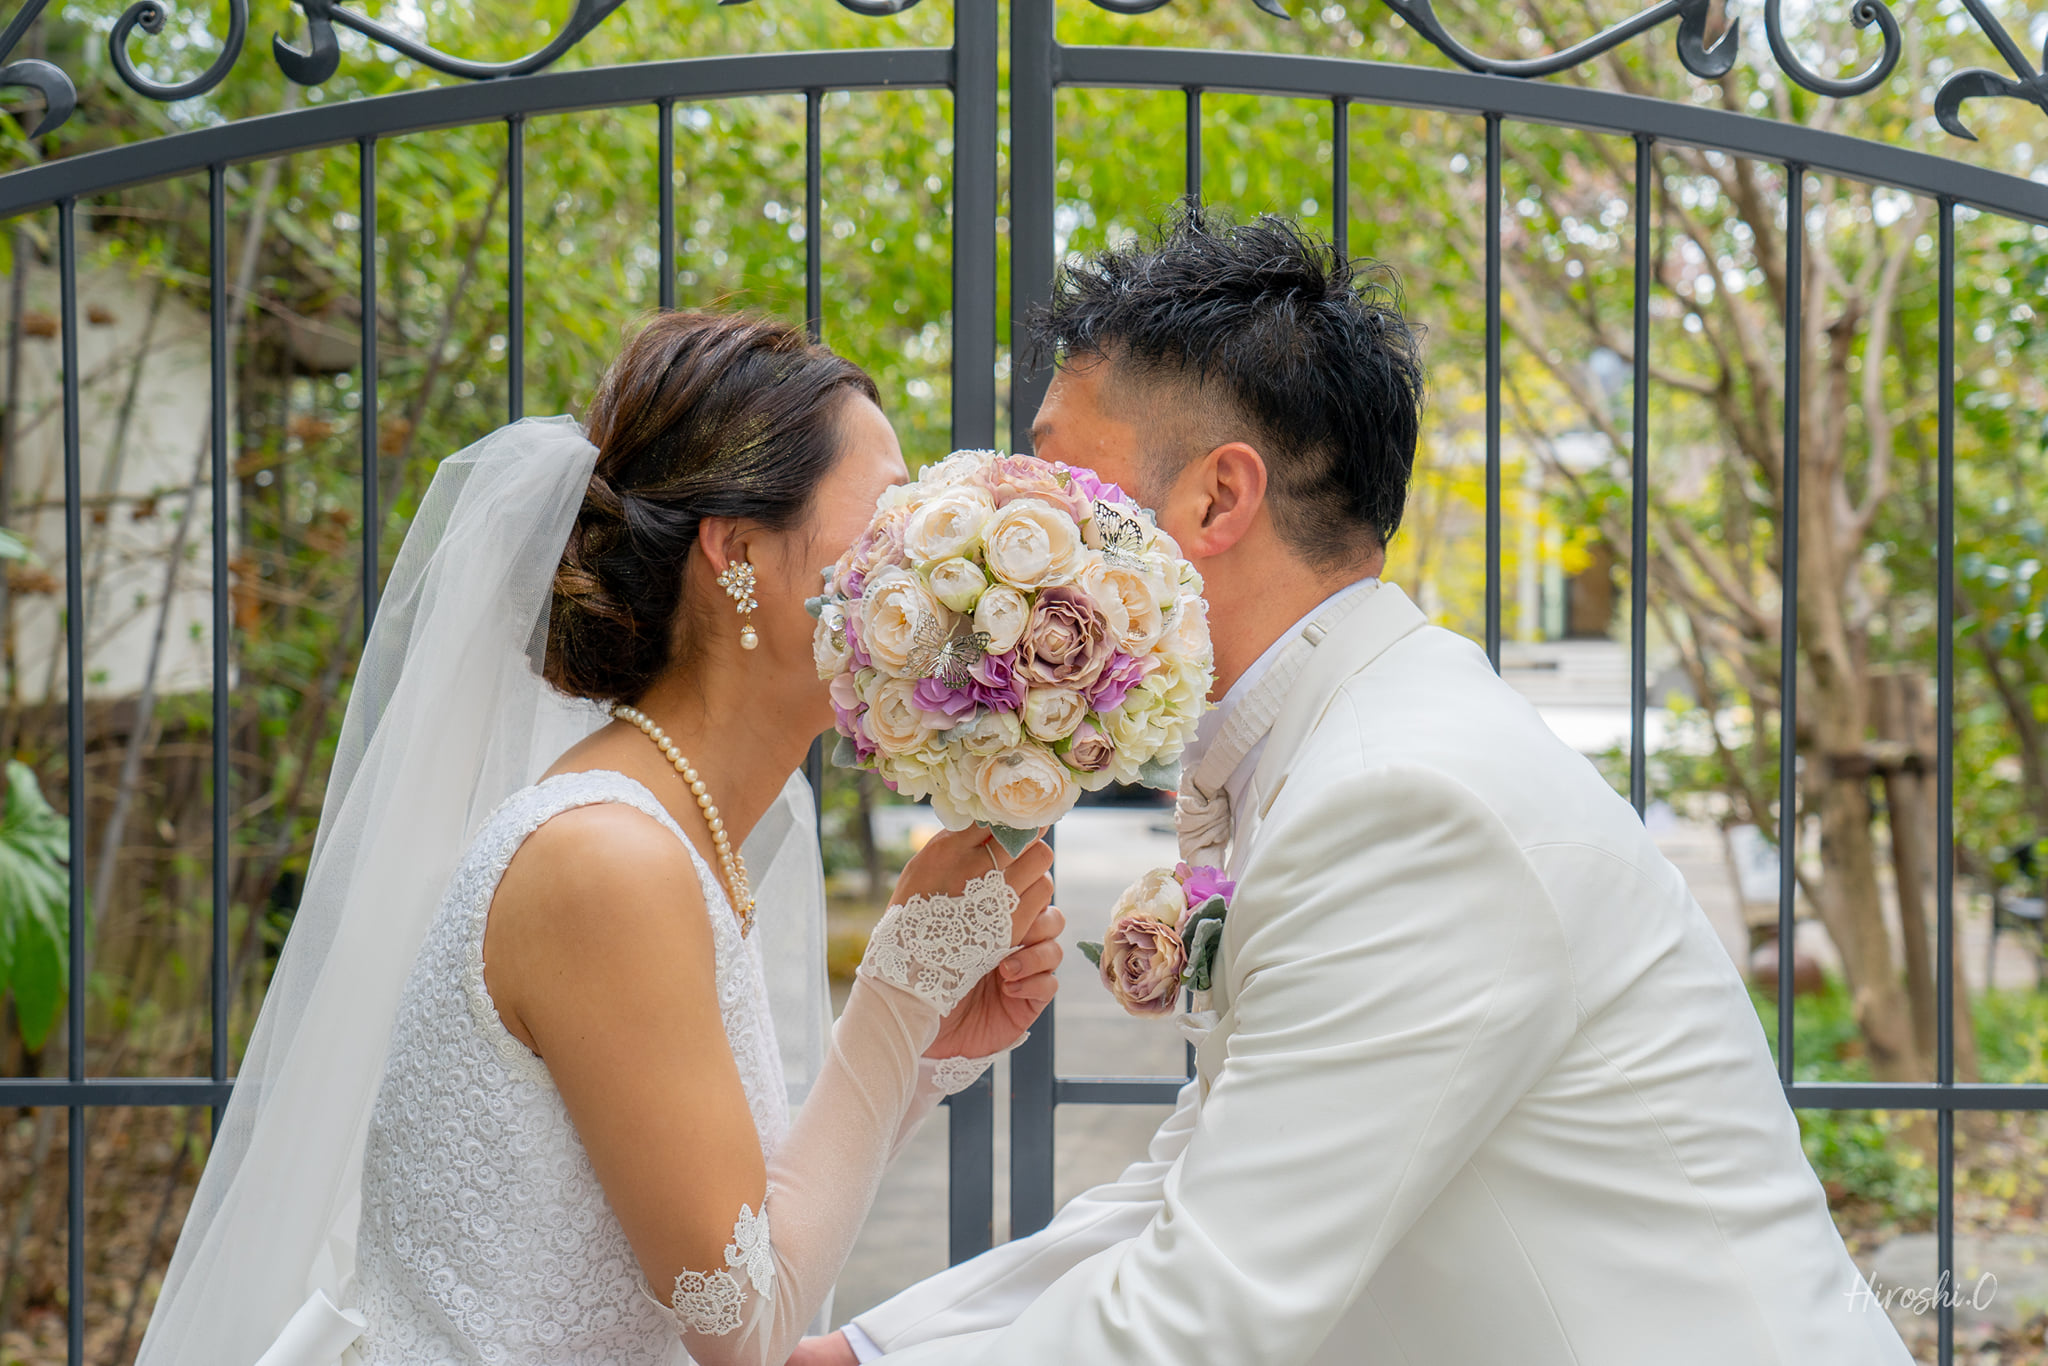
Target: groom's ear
x=1220, y=498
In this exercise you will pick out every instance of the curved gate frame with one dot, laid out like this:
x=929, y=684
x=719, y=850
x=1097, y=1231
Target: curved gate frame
x=1040, y=68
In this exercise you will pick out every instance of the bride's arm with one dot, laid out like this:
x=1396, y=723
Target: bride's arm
x=599, y=955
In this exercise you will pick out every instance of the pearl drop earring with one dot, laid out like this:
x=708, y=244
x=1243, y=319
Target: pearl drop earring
x=738, y=583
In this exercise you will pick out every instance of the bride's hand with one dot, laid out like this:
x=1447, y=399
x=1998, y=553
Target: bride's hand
x=953, y=858
x=1003, y=1004
x=1009, y=999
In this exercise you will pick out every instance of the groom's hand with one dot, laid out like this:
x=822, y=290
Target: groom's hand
x=828, y=1350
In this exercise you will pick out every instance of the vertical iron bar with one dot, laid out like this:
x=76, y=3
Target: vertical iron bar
x=975, y=132
x=223, y=623
x=1034, y=78
x=1493, y=330
x=1033, y=146
x=814, y=325
x=1193, y=173
x=1639, y=497
x=971, y=1132
x=1944, y=779
x=1788, y=607
x=971, y=1170
x=814, y=190
x=666, y=188
x=366, y=293
x=74, y=753
x=1340, y=174
x=515, y=260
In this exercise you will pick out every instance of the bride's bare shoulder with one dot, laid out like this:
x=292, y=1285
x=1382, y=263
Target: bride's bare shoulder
x=591, y=899
x=604, y=861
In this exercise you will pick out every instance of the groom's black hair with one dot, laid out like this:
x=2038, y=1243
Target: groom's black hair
x=1264, y=333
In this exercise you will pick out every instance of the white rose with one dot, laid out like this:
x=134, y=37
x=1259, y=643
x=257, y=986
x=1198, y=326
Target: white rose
x=948, y=523
x=896, y=722
x=953, y=793
x=1129, y=601
x=828, y=642
x=1052, y=714
x=961, y=467
x=1025, y=788
x=1033, y=544
x=958, y=583
x=987, y=731
x=1156, y=896
x=896, y=608
x=1187, y=636
x=1002, y=614
x=1138, y=726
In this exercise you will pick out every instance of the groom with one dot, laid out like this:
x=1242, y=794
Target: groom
x=1482, y=1086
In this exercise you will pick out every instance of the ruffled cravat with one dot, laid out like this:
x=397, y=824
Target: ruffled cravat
x=1202, y=816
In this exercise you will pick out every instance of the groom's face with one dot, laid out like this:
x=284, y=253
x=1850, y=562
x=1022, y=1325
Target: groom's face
x=1074, y=428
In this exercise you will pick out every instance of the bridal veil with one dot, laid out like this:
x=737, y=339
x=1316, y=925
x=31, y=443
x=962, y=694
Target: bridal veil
x=448, y=717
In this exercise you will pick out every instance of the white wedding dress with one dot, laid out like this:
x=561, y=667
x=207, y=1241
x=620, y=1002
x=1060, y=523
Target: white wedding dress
x=395, y=1178
x=485, y=1236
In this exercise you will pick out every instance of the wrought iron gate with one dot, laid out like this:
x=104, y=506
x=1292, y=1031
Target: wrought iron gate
x=1041, y=67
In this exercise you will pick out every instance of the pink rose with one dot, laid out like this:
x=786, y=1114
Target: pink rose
x=1088, y=484
x=1203, y=882
x=1025, y=476
x=1142, y=961
x=879, y=547
x=1092, y=750
x=849, y=712
x=1122, y=673
x=1066, y=642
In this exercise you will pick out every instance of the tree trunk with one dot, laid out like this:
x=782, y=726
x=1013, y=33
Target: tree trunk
x=1851, y=905
x=1904, y=720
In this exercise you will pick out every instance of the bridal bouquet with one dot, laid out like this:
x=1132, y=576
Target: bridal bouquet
x=1163, y=935
x=1007, y=634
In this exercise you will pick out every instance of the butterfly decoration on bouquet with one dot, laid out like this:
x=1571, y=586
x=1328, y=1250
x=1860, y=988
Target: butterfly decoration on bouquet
x=1007, y=634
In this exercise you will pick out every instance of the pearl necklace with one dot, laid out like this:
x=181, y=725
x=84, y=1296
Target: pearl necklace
x=728, y=857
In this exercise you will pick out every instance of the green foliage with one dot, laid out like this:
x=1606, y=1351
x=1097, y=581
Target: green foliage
x=1865, y=1155
x=1871, y=1154
x=35, y=892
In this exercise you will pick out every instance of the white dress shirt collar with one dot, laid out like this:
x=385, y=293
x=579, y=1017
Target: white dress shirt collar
x=1213, y=720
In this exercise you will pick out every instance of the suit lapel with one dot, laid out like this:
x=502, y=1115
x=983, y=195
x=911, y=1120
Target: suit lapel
x=1358, y=640
x=1387, y=617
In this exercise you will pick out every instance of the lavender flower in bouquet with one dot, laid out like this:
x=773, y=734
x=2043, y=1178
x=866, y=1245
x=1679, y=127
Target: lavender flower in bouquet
x=1007, y=634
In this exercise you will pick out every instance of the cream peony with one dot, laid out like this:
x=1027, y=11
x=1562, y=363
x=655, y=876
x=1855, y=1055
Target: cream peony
x=1002, y=614
x=1130, y=601
x=895, y=608
x=1032, y=544
x=829, y=650
x=894, y=719
x=1052, y=714
x=986, y=731
x=1157, y=896
x=958, y=583
x=1024, y=788
x=947, y=523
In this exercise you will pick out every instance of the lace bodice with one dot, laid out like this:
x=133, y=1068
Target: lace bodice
x=485, y=1237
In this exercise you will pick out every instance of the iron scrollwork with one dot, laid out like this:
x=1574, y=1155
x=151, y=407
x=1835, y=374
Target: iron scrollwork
x=1702, y=61
x=321, y=56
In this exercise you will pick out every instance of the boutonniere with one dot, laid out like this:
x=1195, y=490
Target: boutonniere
x=1162, y=938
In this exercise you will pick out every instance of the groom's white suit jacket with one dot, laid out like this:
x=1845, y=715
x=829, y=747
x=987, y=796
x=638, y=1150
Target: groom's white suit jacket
x=1484, y=1086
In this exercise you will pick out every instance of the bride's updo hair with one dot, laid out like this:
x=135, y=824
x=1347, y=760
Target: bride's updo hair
x=702, y=415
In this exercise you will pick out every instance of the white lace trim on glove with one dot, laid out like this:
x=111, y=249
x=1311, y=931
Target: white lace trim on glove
x=955, y=1075
x=937, y=947
x=711, y=1303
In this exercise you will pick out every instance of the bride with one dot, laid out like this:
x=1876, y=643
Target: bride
x=520, y=1091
